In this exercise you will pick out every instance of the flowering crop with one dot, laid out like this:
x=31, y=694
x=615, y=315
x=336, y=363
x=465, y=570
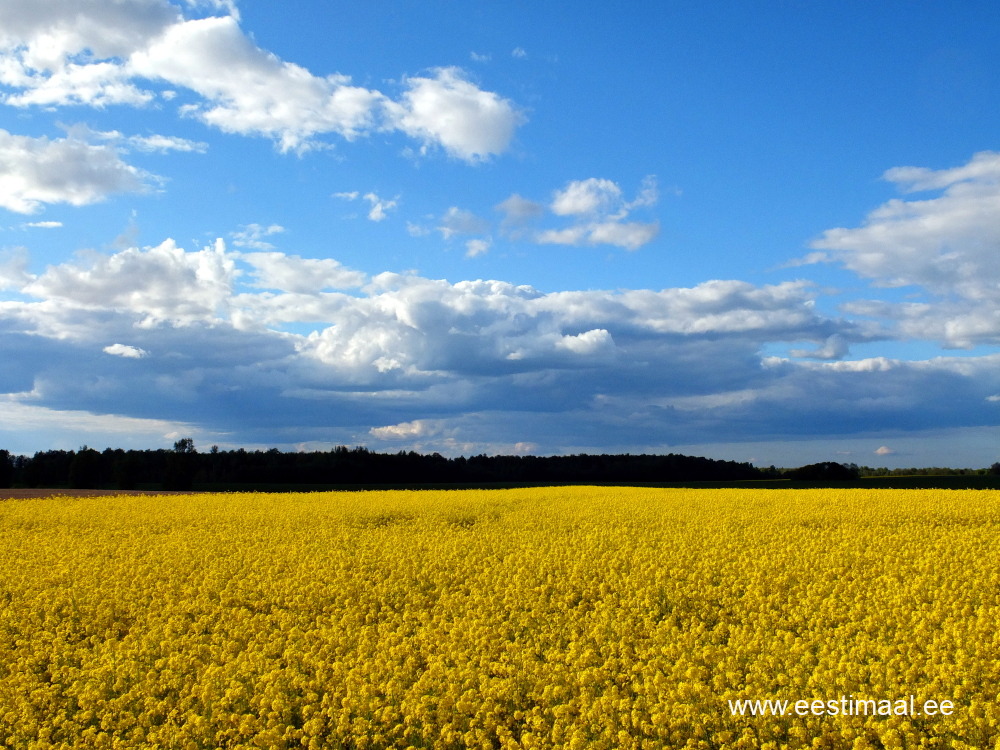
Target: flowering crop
x=578, y=617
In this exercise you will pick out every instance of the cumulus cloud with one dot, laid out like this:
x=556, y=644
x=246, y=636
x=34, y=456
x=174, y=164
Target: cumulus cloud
x=249, y=91
x=597, y=209
x=39, y=171
x=161, y=284
x=409, y=343
x=399, y=359
x=450, y=111
x=290, y=273
x=71, y=52
x=99, y=53
x=124, y=350
x=586, y=197
x=629, y=235
x=418, y=428
x=588, y=342
x=46, y=33
x=947, y=245
x=14, y=268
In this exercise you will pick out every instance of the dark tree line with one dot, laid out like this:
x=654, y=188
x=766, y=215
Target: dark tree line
x=183, y=468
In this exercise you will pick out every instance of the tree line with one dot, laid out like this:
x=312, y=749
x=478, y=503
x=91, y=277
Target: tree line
x=183, y=468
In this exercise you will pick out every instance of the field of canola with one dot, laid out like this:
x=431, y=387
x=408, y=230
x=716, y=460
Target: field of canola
x=530, y=618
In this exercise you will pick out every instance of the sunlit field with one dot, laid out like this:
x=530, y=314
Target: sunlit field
x=588, y=617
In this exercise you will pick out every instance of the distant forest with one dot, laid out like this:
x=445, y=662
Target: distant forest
x=184, y=468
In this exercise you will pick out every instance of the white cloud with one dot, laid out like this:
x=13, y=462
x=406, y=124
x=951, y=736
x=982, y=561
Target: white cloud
x=568, y=236
x=588, y=342
x=648, y=195
x=124, y=350
x=250, y=91
x=72, y=51
x=450, y=111
x=586, y=197
x=630, y=235
x=474, y=248
x=14, y=268
x=517, y=209
x=290, y=273
x=983, y=166
x=380, y=207
x=456, y=221
x=252, y=236
x=948, y=245
x=884, y=450
x=519, y=214
x=598, y=207
x=155, y=143
x=835, y=347
x=98, y=53
x=46, y=33
x=37, y=171
x=95, y=84
x=42, y=225
x=418, y=428
x=165, y=143
x=162, y=284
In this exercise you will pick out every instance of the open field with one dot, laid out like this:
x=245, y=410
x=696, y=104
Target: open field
x=913, y=481
x=583, y=617
x=34, y=492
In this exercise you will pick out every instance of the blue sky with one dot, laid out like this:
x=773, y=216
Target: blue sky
x=763, y=231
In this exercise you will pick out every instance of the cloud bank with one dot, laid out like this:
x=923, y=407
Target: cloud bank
x=281, y=349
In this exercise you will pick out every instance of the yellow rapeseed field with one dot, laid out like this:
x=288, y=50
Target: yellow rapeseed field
x=531, y=618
